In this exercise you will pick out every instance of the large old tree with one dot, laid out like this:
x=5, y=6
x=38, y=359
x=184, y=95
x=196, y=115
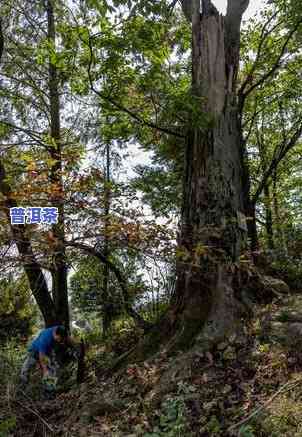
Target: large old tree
x=213, y=227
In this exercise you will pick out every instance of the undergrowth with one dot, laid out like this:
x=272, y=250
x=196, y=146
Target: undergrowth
x=11, y=356
x=192, y=394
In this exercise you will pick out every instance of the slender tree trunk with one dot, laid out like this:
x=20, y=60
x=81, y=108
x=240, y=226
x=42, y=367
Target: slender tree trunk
x=268, y=218
x=278, y=220
x=213, y=227
x=60, y=291
x=250, y=211
x=249, y=205
x=33, y=270
x=1, y=40
x=107, y=304
x=266, y=190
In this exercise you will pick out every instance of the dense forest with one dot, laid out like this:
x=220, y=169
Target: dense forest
x=150, y=218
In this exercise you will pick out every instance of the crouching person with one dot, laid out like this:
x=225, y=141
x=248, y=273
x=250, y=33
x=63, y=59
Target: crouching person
x=41, y=351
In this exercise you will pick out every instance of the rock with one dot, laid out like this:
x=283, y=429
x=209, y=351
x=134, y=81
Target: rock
x=226, y=389
x=229, y=353
x=278, y=332
x=85, y=418
x=288, y=316
x=294, y=336
x=261, y=288
x=102, y=406
x=233, y=338
x=277, y=286
x=208, y=406
x=222, y=346
x=241, y=339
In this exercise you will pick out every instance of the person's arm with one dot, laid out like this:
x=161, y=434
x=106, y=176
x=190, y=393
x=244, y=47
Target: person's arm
x=43, y=363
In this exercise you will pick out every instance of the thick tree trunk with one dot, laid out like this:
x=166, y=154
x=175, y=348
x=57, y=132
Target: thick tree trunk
x=213, y=228
x=60, y=291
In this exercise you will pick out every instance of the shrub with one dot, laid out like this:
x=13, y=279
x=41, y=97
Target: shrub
x=17, y=312
x=11, y=357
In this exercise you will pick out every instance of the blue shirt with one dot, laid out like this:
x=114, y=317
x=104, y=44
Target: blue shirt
x=44, y=342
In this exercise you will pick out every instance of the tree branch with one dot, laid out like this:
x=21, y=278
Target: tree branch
x=31, y=267
x=283, y=150
x=251, y=121
x=235, y=10
x=1, y=40
x=263, y=36
x=121, y=280
x=35, y=136
x=286, y=387
x=121, y=107
x=187, y=9
x=276, y=65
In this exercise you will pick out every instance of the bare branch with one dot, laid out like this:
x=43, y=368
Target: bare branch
x=23, y=405
x=284, y=388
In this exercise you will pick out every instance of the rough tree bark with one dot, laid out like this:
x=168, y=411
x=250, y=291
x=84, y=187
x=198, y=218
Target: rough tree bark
x=213, y=227
x=59, y=290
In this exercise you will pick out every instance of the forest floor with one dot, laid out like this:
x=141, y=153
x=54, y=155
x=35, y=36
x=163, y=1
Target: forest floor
x=190, y=394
